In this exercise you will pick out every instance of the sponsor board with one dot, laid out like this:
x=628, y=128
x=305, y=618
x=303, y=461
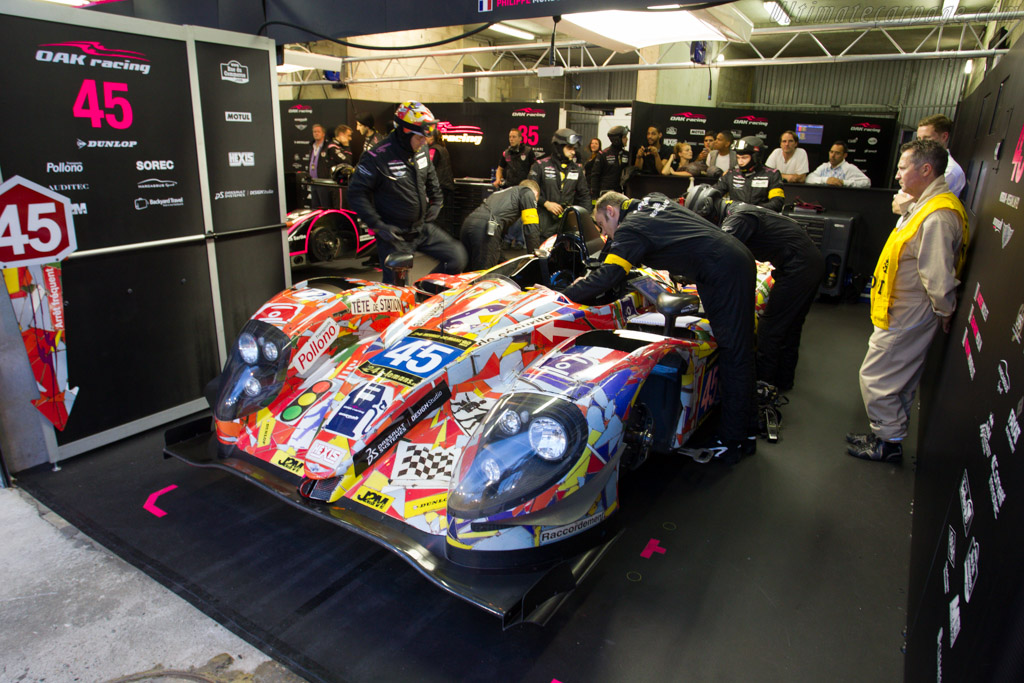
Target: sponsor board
x=229, y=194
x=160, y=165
x=688, y=117
x=105, y=144
x=142, y=204
x=235, y=72
x=373, y=499
x=238, y=116
x=287, y=462
x=156, y=183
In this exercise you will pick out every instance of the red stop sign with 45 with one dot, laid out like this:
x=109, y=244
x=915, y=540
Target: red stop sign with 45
x=35, y=224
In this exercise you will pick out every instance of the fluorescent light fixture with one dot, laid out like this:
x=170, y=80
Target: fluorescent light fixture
x=949, y=8
x=968, y=66
x=72, y=3
x=720, y=57
x=514, y=32
x=291, y=68
x=624, y=31
x=658, y=8
x=298, y=60
x=776, y=12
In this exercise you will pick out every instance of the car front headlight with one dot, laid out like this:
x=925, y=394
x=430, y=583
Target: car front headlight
x=254, y=373
x=528, y=443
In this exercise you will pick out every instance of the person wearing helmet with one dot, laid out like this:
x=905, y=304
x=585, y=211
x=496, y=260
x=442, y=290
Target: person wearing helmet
x=659, y=233
x=561, y=180
x=396, y=192
x=798, y=270
x=750, y=182
x=482, y=230
x=610, y=163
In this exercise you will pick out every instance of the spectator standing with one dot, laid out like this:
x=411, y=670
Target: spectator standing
x=319, y=169
x=722, y=157
x=396, y=193
x=364, y=125
x=936, y=127
x=340, y=160
x=838, y=171
x=594, y=149
x=789, y=160
x=913, y=293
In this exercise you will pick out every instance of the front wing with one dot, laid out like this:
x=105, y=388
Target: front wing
x=514, y=596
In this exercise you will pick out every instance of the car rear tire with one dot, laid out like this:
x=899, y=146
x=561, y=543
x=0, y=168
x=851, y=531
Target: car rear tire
x=324, y=243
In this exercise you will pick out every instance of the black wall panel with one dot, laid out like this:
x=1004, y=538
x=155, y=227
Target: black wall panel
x=965, y=608
x=251, y=270
x=141, y=335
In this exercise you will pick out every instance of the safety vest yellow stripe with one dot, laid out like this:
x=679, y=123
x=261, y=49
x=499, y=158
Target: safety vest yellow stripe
x=776, y=192
x=618, y=261
x=888, y=262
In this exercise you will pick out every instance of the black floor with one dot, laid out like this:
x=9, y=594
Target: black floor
x=792, y=566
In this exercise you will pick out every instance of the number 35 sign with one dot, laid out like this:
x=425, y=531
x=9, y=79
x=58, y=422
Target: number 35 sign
x=35, y=224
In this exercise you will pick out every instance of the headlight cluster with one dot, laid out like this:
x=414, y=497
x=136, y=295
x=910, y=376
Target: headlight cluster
x=527, y=444
x=254, y=373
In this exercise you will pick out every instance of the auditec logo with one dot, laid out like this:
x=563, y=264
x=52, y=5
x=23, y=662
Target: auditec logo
x=300, y=109
x=469, y=134
x=688, y=117
x=530, y=112
x=241, y=159
x=750, y=120
x=866, y=127
x=238, y=116
x=91, y=53
x=69, y=187
x=234, y=71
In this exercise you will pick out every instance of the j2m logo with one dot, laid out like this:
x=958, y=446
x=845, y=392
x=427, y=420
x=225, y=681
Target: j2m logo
x=374, y=499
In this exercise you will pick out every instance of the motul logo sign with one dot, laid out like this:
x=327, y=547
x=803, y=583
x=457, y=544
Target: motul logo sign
x=317, y=344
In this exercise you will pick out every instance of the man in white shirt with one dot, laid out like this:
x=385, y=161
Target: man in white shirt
x=837, y=171
x=722, y=156
x=936, y=127
x=788, y=159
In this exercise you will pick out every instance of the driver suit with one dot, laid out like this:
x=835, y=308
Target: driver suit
x=799, y=267
x=607, y=171
x=755, y=185
x=659, y=233
x=562, y=181
x=396, y=193
x=482, y=229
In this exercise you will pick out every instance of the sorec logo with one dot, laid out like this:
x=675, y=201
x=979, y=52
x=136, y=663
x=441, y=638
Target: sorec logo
x=234, y=71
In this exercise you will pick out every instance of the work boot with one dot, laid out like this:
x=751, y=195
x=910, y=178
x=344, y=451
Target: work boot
x=878, y=450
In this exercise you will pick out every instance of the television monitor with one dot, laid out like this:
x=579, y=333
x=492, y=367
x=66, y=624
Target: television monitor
x=809, y=133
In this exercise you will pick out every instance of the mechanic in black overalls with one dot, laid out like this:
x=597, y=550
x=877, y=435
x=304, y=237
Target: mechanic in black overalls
x=751, y=182
x=561, y=180
x=482, y=230
x=659, y=233
x=798, y=270
x=396, y=193
x=610, y=163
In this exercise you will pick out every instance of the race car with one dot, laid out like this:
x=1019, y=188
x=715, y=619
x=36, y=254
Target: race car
x=485, y=428
x=316, y=235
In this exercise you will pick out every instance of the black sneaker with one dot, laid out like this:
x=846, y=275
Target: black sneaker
x=879, y=451
x=861, y=439
x=730, y=451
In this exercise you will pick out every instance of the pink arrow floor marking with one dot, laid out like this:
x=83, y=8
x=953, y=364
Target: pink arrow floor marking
x=150, y=505
x=652, y=547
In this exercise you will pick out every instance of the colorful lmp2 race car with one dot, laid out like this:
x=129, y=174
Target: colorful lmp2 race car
x=484, y=428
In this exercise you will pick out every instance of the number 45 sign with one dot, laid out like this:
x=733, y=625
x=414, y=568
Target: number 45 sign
x=35, y=224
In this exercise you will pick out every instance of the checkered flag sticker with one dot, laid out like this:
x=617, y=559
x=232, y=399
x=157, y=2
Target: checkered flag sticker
x=469, y=409
x=422, y=466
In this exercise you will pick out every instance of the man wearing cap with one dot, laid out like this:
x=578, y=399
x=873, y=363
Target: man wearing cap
x=396, y=193
x=364, y=124
x=659, y=233
x=561, y=180
x=750, y=182
x=610, y=163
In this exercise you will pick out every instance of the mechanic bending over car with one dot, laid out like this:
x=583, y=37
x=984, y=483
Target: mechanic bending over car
x=396, y=192
x=483, y=229
x=659, y=233
x=798, y=270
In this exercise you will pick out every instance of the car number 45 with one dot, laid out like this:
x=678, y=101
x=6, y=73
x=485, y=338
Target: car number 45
x=418, y=356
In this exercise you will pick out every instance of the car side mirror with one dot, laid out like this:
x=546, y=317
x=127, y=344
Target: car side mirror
x=674, y=305
x=400, y=264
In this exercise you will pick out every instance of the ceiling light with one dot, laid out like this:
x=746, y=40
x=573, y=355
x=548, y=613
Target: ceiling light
x=73, y=3
x=626, y=31
x=658, y=8
x=720, y=57
x=776, y=12
x=514, y=32
x=291, y=68
x=949, y=8
x=968, y=66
